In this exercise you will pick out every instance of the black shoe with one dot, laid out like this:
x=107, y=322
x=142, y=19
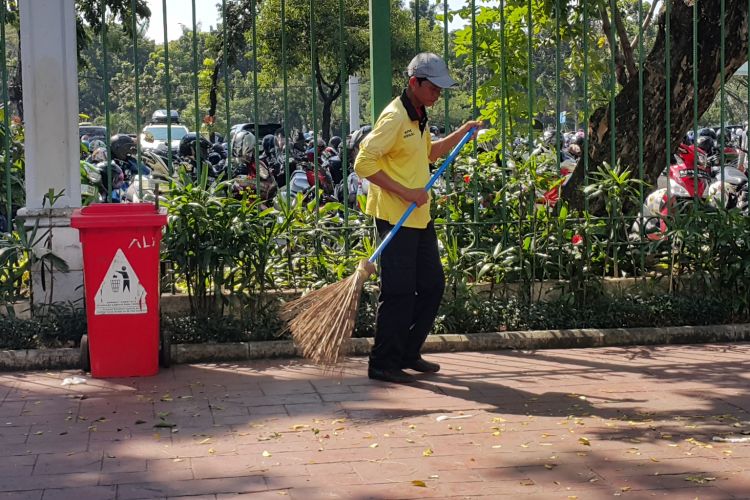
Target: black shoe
x=423, y=366
x=395, y=376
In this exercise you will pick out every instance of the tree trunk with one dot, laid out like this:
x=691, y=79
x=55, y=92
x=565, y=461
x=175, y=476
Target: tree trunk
x=328, y=93
x=15, y=89
x=326, y=125
x=654, y=91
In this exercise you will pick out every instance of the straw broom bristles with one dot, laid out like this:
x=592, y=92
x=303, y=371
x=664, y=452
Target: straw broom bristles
x=323, y=320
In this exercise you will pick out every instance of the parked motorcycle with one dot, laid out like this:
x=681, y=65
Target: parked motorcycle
x=688, y=180
x=547, y=162
x=729, y=186
x=302, y=180
x=250, y=175
x=355, y=187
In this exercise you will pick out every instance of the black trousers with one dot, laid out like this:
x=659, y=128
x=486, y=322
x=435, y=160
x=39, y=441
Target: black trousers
x=411, y=288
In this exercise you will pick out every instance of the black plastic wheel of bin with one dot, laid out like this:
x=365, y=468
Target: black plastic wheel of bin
x=85, y=355
x=165, y=351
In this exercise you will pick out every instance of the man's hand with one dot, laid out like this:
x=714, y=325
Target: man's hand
x=476, y=124
x=443, y=146
x=417, y=195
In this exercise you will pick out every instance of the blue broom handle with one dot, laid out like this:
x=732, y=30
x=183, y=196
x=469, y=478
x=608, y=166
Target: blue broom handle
x=433, y=179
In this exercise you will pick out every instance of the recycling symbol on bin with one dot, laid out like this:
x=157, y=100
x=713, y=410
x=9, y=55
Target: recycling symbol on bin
x=121, y=291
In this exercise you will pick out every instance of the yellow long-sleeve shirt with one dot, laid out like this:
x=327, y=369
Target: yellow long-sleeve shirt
x=399, y=145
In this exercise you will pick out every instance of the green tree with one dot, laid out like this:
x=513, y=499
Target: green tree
x=657, y=145
x=89, y=23
x=239, y=17
x=613, y=38
x=120, y=76
x=328, y=68
x=735, y=104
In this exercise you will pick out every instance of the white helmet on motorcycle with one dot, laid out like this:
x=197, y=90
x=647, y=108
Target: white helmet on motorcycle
x=298, y=182
x=243, y=146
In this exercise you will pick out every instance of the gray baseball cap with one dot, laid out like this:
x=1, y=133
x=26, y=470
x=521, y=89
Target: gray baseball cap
x=431, y=66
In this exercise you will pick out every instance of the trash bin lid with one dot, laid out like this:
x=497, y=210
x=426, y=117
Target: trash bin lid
x=118, y=216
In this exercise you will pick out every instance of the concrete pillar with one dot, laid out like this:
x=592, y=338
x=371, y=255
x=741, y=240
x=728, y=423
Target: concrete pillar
x=50, y=101
x=353, y=103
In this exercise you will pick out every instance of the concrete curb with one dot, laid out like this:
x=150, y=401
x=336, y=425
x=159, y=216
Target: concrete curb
x=42, y=359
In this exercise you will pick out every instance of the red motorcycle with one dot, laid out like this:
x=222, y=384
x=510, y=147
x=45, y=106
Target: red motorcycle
x=688, y=180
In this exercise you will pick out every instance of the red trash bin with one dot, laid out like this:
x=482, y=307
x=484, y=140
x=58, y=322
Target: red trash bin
x=120, y=244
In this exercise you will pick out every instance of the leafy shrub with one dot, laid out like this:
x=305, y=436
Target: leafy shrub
x=263, y=324
x=202, y=329
x=62, y=326
x=629, y=311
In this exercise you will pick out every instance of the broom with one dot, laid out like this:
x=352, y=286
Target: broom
x=322, y=320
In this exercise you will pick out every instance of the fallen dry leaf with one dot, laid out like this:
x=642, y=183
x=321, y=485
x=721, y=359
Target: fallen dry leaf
x=419, y=483
x=698, y=443
x=374, y=445
x=427, y=453
x=266, y=453
x=584, y=441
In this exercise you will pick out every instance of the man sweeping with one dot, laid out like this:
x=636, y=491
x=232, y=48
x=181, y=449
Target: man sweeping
x=395, y=158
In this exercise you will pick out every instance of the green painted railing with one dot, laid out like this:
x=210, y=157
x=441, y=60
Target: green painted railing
x=520, y=62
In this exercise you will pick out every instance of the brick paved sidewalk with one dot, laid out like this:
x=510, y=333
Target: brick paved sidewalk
x=585, y=423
